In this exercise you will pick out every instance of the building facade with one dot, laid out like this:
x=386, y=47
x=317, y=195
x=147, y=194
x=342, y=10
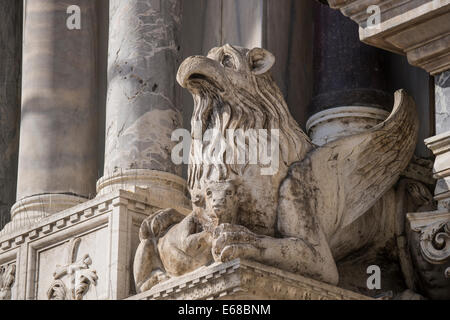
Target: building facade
x=89, y=102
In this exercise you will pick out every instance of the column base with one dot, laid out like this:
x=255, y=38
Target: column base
x=331, y=124
x=167, y=189
x=27, y=212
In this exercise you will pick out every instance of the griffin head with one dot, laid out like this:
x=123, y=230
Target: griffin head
x=233, y=89
x=224, y=69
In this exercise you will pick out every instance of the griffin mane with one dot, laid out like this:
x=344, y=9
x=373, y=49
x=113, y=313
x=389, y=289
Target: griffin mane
x=265, y=108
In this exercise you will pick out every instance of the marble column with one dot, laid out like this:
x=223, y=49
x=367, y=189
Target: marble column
x=10, y=71
x=143, y=99
x=58, y=142
x=350, y=84
x=440, y=143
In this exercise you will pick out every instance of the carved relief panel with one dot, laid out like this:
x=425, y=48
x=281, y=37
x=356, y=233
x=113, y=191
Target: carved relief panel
x=7, y=279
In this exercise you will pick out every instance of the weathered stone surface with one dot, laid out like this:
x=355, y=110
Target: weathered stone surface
x=59, y=113
x=307, y=203
x=243, y=279
x=143, y=105
x=10, y=70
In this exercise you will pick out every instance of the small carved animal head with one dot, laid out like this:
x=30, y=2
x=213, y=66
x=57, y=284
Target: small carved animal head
x=221, y=201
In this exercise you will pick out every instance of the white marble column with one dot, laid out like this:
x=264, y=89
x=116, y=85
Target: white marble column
x=440, y=143
x=143, y=99
x=10, y=67
x=58, y=142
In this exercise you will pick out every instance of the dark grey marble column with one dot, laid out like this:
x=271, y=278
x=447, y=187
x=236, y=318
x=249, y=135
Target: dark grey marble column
x=347, y=71
x=58, y=144
x=10, y=71
x=143, y=99
x=348, y=75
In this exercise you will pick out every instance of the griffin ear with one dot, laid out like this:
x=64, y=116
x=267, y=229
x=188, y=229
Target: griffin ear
x=260, y=60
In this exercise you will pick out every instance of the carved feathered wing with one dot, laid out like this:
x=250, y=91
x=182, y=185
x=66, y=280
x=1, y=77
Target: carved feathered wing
x=347, y=176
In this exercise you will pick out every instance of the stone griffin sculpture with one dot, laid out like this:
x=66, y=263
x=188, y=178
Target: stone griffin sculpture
x=297, y=219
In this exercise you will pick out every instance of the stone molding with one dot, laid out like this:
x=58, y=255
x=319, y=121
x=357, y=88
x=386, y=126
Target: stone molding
x=243, y=279
x=73, y=216
x=29, y=211
x=160, y=185
x=418, y=29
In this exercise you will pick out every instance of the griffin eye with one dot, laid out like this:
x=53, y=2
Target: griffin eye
x=227, y=61
x=208, y=193
x=229, y=192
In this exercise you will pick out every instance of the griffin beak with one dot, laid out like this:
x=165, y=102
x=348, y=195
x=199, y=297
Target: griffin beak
x=197, y=69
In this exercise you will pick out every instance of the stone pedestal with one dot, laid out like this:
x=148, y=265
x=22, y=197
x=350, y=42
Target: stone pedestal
x=10, y=71
x=245, y=280
x=143, y=105
x=57, y=155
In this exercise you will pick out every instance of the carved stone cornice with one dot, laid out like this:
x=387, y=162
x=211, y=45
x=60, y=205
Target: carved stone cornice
x=418, y=28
